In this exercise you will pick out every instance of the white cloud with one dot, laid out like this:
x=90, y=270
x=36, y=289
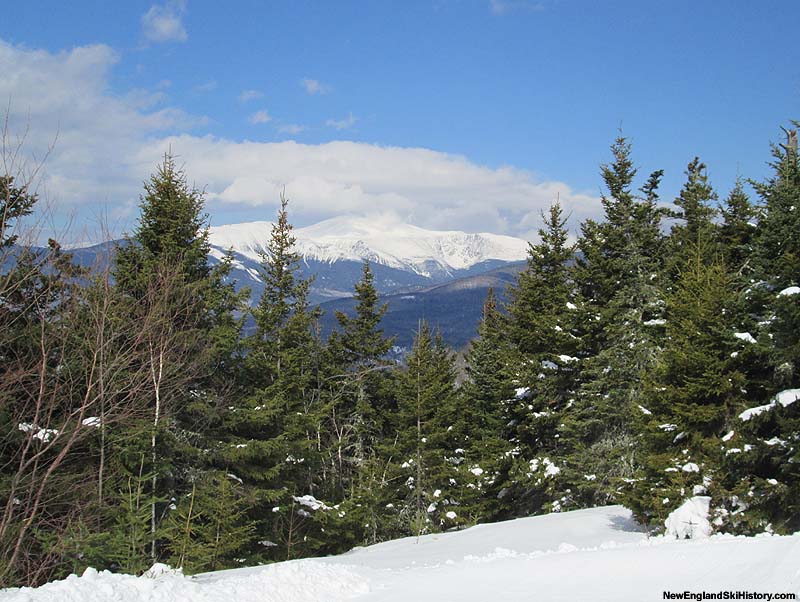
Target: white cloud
x=342, y=124
x=313, y=86
x=504, y=7
x=207, y=86
x=261, y=116
x=62, y=99
x=108, y=144
x=248, y=95
x=291, y=128
x=423, y=186
x=164, y=23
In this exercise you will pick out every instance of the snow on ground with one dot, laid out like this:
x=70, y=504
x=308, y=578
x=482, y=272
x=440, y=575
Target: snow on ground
x=596, y=554
x=690, y=520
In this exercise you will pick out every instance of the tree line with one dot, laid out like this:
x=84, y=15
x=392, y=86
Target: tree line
x=654, y=359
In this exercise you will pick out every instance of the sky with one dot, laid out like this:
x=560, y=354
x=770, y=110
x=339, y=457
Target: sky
x=449, y=114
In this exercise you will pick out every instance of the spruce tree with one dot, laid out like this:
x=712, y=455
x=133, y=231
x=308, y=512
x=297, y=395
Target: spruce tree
x=620, y=308
x=162, y=269
x=358, y=400
x=427, y=466
x=15, y=203
x=490, y=383
x=737, y=231
x=693, y=227
x=209, y=526
x=269, y=436
x=360, y=407
x=769, y=477
x=545, y=356
x=695, y=212
x=171, y=230
x=482, y=425
x=693, y=395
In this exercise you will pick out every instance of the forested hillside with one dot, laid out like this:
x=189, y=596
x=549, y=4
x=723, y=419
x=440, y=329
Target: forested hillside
x=654, y=359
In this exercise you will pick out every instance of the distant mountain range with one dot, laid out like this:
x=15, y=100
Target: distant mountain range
x=441, y=276
x=454, y=307
x=404, y=258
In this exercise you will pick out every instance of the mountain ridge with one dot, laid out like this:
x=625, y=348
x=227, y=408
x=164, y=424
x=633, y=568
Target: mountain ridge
x=433, y=254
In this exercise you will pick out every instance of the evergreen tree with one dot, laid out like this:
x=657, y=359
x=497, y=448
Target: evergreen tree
x=357, y=394
x=359, y=408
x=737, y=238
x=131, y=499
x=737, y=231
x=15, y=203
x=482, y=424
x=778, y=241
x=695, y=213
x=490, y=379
x=427, y=468
x=541, y=326
x=171, y=231
x=269, y=439
x=162, y=268
x=778, y=255
x=693, y=396
x=694, y=227
x=209, y=526
x=620, y=304
x=769, y=477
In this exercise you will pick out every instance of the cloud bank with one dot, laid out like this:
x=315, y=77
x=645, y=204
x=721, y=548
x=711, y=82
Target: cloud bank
x=107, y=144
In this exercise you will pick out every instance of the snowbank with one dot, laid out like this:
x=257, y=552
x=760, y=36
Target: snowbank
x=596, y=554
x=286, y=582
x=690, y=520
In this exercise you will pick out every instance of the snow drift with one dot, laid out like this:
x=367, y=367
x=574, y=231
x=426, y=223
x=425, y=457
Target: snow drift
x=596, y=554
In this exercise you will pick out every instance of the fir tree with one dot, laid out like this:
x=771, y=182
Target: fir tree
x=129, y=537
x=15, y=203
x=482, y=424
x=209, y=526
x=619, y=284
x=693, y=396
x=694, y=227
x=269, y=437
x=171, y=230
x=778, y=241
x=769, y=478
x=541, y=315
x=694, y=209
x=359, y=402
x=490, y=379
x=737, y=231
x=425, y=453
x=162, y=268
x=358, y=355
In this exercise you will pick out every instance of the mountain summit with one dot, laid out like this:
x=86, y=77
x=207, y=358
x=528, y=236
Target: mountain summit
x=438, y=255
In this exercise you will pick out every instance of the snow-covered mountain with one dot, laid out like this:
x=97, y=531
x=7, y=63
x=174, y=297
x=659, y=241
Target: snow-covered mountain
x=382, y=241
x=441, y=276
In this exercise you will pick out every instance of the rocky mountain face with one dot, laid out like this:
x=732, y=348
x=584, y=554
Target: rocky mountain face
x=404, y=258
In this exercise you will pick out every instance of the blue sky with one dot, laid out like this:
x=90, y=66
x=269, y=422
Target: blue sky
x=464, y=114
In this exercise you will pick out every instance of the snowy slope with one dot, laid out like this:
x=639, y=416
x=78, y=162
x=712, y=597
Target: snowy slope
x=596, y=554
x=380, y=240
